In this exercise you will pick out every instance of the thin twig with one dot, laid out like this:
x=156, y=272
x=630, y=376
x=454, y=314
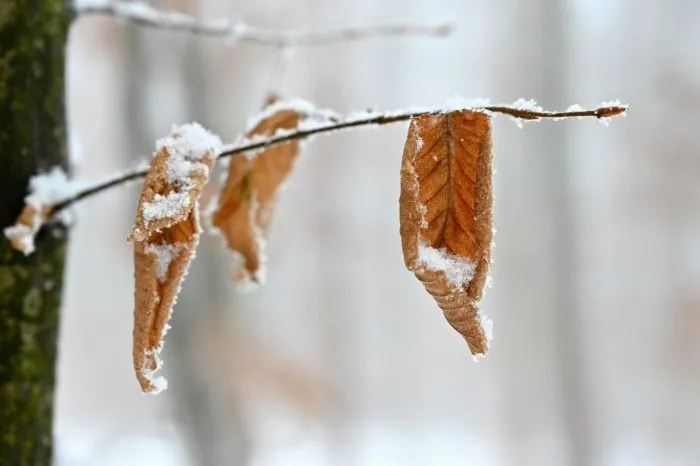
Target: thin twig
x=143, y=14
x=371, y=119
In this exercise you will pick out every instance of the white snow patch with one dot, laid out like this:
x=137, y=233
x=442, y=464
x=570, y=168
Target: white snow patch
x=165, y=253
x=159, y=383
x=179, y=168
x=51, y=188
x=485, y=322
x=24, y=235
x=612, y=103
x=457, y=102
x=190, y=141
x=487, y=325
x=166, y=206
x=310, y=114
x=458, y=270
x=527, y=104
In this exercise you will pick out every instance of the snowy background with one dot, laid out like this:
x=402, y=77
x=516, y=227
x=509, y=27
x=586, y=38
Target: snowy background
x=343, y=358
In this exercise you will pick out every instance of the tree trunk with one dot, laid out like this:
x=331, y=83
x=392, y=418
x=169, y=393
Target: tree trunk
x=33, y=35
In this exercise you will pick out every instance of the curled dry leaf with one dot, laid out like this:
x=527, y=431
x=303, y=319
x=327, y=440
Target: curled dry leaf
x=245, y=204
x=46, y=190
x=165, y=235
x=27, y=225
x=445, y=215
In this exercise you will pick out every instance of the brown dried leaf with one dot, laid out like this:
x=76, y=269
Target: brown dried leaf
x=247, y=198
x=165, y=235
x=445, y=215
x=27, y=225
x=46, y=191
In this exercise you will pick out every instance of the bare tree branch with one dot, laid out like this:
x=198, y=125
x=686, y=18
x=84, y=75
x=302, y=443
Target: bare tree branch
x=141, y=13
x=368, y=120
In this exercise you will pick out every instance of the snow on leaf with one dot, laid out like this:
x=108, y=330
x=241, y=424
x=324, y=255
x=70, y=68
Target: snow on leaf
x=244, y=207
x=458, y=270
x=189, y=141
x=165, y=236
x=165, y=253
x=445, y=215
x=178, y=171
x=165, y=206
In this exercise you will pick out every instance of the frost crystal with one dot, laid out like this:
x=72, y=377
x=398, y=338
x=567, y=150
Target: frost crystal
x=458, y=270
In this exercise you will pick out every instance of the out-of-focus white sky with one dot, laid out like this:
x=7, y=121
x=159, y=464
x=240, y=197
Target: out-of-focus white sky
x=343, y=358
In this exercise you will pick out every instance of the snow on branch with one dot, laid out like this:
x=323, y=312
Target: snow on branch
x=63, y=194
x=143, y=14
x=333, y=123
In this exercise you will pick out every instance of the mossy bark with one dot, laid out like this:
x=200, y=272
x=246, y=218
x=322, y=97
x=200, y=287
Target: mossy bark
x=33, y=36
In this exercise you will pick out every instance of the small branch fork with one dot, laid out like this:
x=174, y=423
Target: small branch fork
x=369, y=120
x=238, y=32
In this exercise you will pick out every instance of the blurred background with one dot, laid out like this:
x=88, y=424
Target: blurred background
x=343, y=358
